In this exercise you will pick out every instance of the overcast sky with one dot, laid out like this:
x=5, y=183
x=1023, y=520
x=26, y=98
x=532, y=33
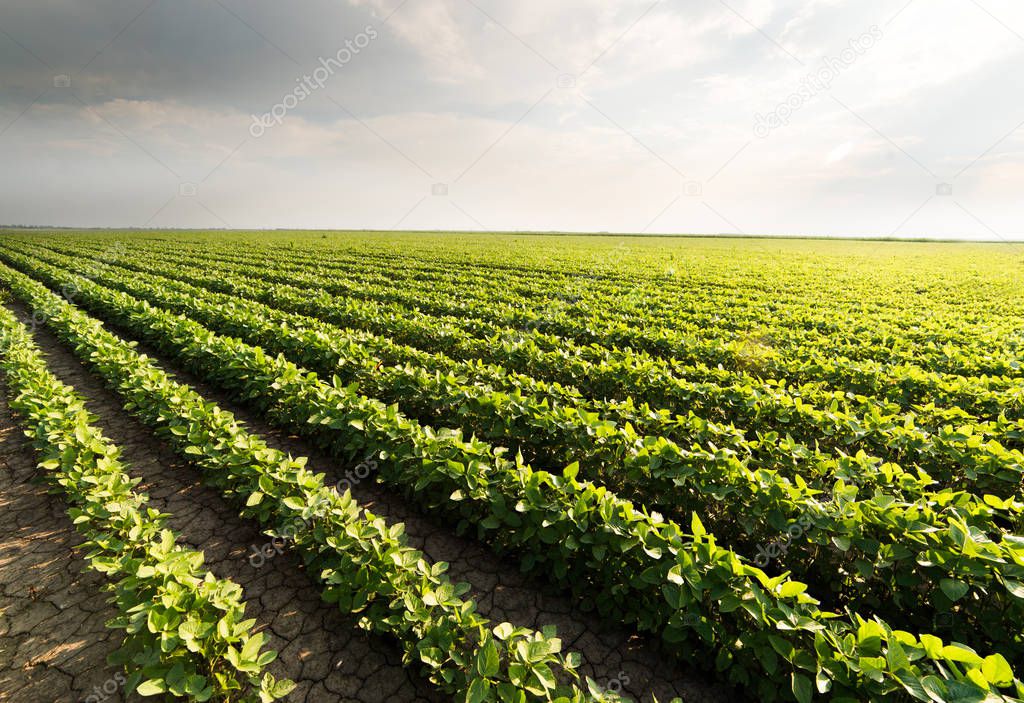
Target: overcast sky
x=858, y=117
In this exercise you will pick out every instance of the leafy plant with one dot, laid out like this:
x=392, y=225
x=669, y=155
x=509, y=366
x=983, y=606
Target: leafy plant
x=636, y=565
x=185, y=635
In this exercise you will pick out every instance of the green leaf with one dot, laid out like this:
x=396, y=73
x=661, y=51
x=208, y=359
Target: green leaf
x=697, y=527
x=1016, y=588
x=152, y=687
x=791, y=589
x=195, y=684
x=997, y=670
x=896, y=655
x=294, y=503
x=487, y=661
x=935, y=689
x=954, y=589
x=959, y=653
x=504, y=630
x=802, y=688
x=478, y=691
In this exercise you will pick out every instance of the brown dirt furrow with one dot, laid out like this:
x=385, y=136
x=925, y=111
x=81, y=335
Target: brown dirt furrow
x=613, y=656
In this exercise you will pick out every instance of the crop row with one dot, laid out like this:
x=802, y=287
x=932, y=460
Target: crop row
x=777, y=352
x=765, y=630
x=886, y=554
x=856, y=355
x=688, y=429
x=954, y=453
x=707, y=294
x=577, y=428
x=363, y=564
x=185, y=630
x=702, y=345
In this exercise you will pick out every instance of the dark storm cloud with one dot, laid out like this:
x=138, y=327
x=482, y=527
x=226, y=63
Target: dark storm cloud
x=230, y=54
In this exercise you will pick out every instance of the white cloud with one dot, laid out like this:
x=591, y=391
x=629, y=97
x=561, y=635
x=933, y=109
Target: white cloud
x=438, y=31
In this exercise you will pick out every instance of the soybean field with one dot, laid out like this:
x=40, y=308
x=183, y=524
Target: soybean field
x=360, y=466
